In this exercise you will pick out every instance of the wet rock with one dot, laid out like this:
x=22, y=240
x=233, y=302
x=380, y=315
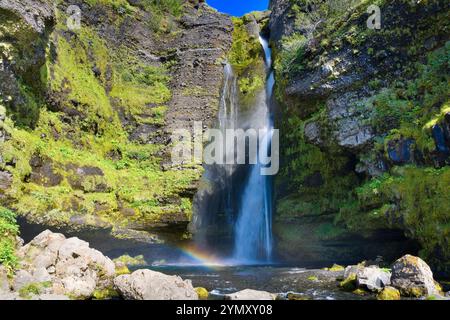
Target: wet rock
x=389, y=293
x=413, y=277
x=440, y=139
x=151, y=285
x=249, y=294
x=373, y=278
x=400, y=150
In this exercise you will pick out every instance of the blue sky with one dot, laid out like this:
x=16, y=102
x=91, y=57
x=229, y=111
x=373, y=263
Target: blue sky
x=238, y=7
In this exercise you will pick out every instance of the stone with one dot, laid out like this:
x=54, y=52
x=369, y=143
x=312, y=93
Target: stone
x=373, y=278
x=4, y=282
x=41, y=275
x=43, y=172
x=71, y=265
x=6, y=180
x=413, y=277
x=312, y=133
x=21, y=279
x=202, y=293
x=400, y=150
x=151, y=285
x=389, y=293
x=249, y=294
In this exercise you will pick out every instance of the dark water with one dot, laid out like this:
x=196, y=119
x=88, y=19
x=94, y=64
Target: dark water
x=305, y=284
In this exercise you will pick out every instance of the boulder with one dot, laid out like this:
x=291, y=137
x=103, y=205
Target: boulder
x=249, y=294
x=413, y=277
x=71, y=265
x=373, y=278
x=151, y=285
x=389, y=293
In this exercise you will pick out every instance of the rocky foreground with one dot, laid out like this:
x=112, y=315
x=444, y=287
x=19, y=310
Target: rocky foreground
x=53, y=267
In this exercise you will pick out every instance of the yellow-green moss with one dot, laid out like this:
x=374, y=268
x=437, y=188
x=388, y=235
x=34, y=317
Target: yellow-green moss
x=202, y=293
x=349, y=284
x=105, y=294
x=34, y=288
x=389, y=293
x=8, y=232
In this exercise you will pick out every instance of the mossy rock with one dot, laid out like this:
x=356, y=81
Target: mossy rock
x=360, y=292
x=131, y=261
x=122, y=269
x=203, y=294
x=105, y=294
x=349, y=284
x=336, y=268
x=297, y=297
x=389, y=293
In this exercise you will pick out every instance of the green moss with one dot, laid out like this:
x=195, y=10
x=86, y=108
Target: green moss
x=94, y=82
x=131, y=261
x=336, y=267
x=35, y=288
x=105, y=294
x=8, y=232
x=389, y=293
x=410, y=198
x=246, y=49
x=349, y=284
x=202, y=293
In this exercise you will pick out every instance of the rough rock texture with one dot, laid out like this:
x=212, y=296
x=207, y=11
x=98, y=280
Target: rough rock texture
x=37, y=13
x=70, y=265
x=249, y=294
x=151, y=285
x=413, y=277
x=112, y=92
x=373, y=278
x=354, y=111
x=389, y=293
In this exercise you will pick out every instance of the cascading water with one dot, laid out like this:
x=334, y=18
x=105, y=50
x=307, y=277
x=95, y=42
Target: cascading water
x=253, y=230
x=234, y=206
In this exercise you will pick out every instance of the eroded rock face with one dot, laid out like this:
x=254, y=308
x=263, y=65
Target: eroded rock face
x=413, y=277
x=151, y=285
x=249, y=294
x=37, y=13
x=70, y=265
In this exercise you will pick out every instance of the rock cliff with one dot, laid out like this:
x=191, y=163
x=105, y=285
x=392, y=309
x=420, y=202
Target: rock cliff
x=88, y=109
x=364, y=117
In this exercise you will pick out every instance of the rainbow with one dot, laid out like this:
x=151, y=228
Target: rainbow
x=201, y=257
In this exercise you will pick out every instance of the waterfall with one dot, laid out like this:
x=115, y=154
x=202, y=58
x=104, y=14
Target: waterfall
x=253, y=230
x=233, y=207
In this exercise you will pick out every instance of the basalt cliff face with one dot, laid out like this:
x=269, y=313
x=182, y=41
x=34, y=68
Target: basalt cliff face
x=87, y=113
x=364, y=119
